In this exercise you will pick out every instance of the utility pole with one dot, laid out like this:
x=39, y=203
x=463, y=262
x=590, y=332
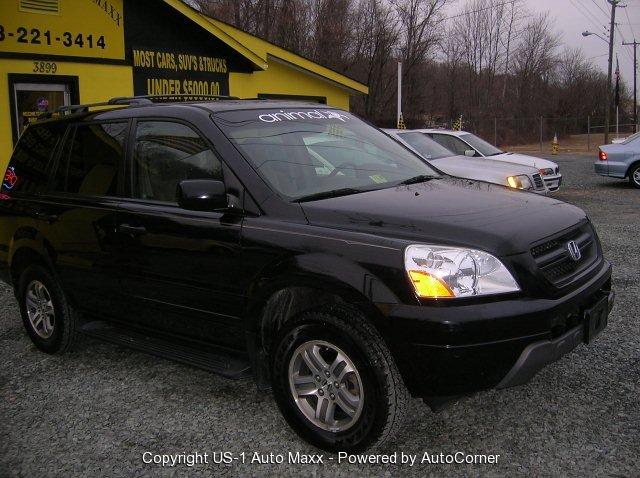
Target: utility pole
x=635, y=74
x=399, y=106
x=607, y=111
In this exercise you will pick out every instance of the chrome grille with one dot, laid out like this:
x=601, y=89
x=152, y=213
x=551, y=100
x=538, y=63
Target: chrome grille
x=538, y=183
x=554, y=261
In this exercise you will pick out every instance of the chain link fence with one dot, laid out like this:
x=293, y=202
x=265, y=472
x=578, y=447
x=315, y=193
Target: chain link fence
x=537, y=133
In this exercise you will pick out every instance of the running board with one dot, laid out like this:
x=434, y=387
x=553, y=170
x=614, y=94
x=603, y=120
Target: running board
x=211, y=358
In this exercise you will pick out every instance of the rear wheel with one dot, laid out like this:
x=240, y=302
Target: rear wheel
x=634, y=175
x=336, y=383
x=48, y=318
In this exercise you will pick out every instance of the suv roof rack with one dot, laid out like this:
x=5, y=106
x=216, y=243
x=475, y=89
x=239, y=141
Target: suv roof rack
x=84, y=108
x=142, y=100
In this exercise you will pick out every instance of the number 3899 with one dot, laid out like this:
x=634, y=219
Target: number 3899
x=44, y=67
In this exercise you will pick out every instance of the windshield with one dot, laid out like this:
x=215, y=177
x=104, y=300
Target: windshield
x=480, y=145
x=631, y=138
x=306, y=151
x=424, y=145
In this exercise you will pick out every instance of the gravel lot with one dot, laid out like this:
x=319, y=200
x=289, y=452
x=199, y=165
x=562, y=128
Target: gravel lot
x=95, y=411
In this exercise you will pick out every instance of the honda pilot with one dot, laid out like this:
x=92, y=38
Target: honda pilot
x=296, y=243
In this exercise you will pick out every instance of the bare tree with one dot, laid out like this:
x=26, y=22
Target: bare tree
x=419, y=24
x=375, y=37
x=534, y=61
x=332, y=32
x=492, y=59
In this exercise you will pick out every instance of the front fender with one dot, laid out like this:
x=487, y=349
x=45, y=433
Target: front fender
x=323, y=272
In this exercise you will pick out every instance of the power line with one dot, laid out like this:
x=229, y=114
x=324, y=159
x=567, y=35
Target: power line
x=626, y=50
x=591, y=14
x=489, y=7
x=589, y=19
x=630, y=27
x=596, y=18
x=599, y=7
x=479, y=10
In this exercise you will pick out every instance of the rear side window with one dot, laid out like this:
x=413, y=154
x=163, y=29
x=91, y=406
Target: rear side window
x=424, y=145
x=166, y=153
x=451, y=143
x=92, y=159
x=31, y=163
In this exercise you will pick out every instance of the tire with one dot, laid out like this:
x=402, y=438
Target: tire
x=634, y=175
x=60, y=334
x=383, y=398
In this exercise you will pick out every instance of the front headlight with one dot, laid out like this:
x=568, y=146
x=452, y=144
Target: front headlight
x=519, y=182
x=546, y=171
x=441, y=272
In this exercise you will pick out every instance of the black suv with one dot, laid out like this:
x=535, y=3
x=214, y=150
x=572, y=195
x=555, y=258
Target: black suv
x=298, y=243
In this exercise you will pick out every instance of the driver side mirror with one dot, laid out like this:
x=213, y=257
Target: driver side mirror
x=470, y=153
x=202, y=195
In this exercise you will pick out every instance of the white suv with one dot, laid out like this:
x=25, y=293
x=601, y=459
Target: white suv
x=468, y=144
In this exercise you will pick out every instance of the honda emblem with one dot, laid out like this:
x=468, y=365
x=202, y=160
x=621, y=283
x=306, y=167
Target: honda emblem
x=574, y=250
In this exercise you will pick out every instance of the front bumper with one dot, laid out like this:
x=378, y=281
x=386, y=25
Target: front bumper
x=552, y=182
x=446, y=350
x=538, y=355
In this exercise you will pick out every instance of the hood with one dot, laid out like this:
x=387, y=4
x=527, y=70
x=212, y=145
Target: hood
x=449, y=211
x=481, y=167
x=525, y=159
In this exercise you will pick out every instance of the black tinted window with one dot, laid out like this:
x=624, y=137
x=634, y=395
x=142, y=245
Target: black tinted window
x=166, y=153
x=30, y=165
x=91, y=159
x=424, y=145
x=451, y=143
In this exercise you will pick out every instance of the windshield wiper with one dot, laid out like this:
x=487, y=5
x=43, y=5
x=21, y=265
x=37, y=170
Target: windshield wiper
x=419, y=179
x=329, y=194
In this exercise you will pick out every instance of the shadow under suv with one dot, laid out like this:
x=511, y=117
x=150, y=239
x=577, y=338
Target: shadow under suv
x=298, y=243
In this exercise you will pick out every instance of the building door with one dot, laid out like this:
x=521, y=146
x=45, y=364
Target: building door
x=32, y=95
x=33, y=99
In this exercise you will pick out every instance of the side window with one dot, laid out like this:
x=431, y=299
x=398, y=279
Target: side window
x=91, y=159
x=451, y=143
x=166, y=153
x=30, y=164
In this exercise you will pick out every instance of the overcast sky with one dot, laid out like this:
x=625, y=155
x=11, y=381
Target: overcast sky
x=572, y=17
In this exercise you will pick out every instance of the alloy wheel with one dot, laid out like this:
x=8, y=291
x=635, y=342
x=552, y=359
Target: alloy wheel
x=40, y=310
x=326, y=385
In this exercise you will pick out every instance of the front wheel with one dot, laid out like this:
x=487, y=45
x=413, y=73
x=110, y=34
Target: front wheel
x=634, y=176
x=336, y=383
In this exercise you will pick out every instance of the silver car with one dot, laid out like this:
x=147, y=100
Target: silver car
x=497, y=172
x=468, y=144
x=621, y=160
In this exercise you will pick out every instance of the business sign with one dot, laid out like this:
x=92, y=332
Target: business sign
x=169, y=73
x=79, y=28
x=173, y=55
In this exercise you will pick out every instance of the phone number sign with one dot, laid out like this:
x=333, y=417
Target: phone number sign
x=84, y=29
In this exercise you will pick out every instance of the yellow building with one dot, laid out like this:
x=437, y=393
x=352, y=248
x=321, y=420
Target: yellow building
x=59, y=52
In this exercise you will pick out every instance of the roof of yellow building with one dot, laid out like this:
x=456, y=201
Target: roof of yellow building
x=259, y=52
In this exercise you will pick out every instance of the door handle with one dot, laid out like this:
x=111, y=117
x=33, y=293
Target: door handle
x=132, y=230
x=43, y=216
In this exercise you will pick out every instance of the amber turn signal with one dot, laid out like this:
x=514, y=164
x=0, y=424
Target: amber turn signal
x=428, y=286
